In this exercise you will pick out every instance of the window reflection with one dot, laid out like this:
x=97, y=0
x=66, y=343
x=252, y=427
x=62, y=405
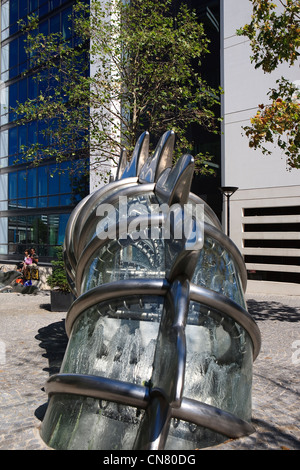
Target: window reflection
x=44, y=232
x=50, y=187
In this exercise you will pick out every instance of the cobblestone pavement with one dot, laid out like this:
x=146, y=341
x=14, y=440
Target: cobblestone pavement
x=32, y=344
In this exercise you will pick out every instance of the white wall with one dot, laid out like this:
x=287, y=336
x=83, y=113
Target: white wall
x=244, y=89
x=263, y=181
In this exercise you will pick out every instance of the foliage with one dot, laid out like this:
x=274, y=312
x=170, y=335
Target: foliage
x=144, y=59
x=58, y=279
x=278, y=123
x=274, y=34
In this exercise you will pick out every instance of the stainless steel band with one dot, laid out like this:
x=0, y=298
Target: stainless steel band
x=190, y=410
x=160, y=287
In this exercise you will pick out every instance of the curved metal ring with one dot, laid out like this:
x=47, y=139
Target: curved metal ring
x=94, y=198
x=207, y=209
x=129, y=191
x=135, y=395
x=231, y=248
x=98, y=387
x=97, y=243
x=160, y=287
x=225, y=305
x=114, y=290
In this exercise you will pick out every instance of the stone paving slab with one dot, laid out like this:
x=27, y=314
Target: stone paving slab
x=32, y=344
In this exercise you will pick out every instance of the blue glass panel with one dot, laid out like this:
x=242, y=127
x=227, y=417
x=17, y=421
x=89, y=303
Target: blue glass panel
x=63, y=219
x=42, y=202
x=65, y=178
x=13, y=53
x=31, y=203
x=53, y=180
x=12, y=185
x=12, y=140
x=54, y=4
x=55, y=24
x=22, y=138
x=32, y=88
x=53, y=201
x=23, y=90
x=13, y=203
x=42, y=180
x=43, y=83
x=13, y=16
x=22, y=184
x=22, y=55
x=32, y=133
x=43, y=27
x=33, y=4
x=66, y=199
x=43, y=9
x=66, y=23
x=23, y=11
x=22, y=203
x=42, y=135
x=13, y=72
x=13, y=94
x=31, y=182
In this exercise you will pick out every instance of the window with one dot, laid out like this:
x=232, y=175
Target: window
x=13, y=16
x=12, y=185
x=12, y=141
x=13, y=58
x=34, y=202
x=44, y=232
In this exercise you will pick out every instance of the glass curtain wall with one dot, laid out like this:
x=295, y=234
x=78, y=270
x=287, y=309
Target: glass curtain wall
x=35, y=203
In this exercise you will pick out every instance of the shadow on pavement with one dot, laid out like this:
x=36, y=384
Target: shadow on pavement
x=53, y=339
x=274, y=436
x=266, y=310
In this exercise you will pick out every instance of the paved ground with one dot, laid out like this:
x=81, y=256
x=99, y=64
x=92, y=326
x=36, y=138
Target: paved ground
x=32, y=344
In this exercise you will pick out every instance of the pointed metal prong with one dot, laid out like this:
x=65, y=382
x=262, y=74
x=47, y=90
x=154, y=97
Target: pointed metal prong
x=174, y=186
x=139, y=156
x=122, y=164
x=160, y=160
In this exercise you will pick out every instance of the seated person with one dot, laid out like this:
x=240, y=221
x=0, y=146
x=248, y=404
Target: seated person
x=34, y=272
x=34, y=256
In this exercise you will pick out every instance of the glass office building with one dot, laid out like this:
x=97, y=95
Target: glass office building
x=35, y=202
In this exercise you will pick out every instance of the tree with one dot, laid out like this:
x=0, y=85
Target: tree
x=274, y=33
x=144, y=57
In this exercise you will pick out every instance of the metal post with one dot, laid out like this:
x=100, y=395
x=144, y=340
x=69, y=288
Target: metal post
x=228, y=191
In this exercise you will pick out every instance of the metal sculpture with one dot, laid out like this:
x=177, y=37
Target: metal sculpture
x=161, y=345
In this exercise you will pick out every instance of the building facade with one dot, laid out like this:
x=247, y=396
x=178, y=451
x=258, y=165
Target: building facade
x=265, y=210
x=35, y=202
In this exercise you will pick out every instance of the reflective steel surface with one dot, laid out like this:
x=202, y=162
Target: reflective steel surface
x=161, y=345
